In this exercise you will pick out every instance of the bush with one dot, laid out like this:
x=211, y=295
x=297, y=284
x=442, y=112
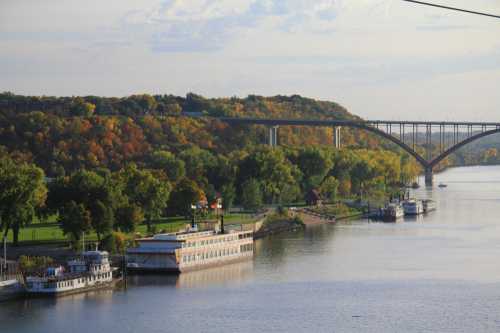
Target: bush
x=115, y=243
x=29, y=264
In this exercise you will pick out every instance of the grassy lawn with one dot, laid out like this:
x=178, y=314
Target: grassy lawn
x=50, y=231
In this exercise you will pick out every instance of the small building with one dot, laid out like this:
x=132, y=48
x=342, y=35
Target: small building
x=313, y=198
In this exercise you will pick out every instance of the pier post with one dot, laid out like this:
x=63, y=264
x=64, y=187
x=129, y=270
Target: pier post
x=428, y=176
x=273, y=136
x=336, y=137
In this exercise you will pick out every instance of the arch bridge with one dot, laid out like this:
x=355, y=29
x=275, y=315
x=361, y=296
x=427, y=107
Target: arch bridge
x=446, y=136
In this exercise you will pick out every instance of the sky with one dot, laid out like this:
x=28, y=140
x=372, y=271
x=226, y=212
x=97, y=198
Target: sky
x=381, y=59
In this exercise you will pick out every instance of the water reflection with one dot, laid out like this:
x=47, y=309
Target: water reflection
x=210, y=277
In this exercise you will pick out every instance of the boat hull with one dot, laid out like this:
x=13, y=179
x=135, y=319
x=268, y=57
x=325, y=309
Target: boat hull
x=10, y=289
x=50, y=293
x=184, y=269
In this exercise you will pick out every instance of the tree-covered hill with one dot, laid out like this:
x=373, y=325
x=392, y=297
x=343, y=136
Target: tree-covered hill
x=64, y=134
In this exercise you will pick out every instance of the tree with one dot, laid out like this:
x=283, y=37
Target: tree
x=145, y=191
x=184, y=194
x=329, y=188
x=102, y=219
x=314, y=164
x=95, y=191
x=23, y=192
x=128, y=217
x=82, y=108
x=251, y=195
x=228, y=193
x=199, y=163
x=173, y=167
x=272, y=169
x=74, y=220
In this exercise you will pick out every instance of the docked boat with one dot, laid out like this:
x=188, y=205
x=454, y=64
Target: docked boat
x=429, y=205
x=191, y=250
x=413, y=207
x=415, y=185
x=10, y=288
x=10, y=285
x=392, y=212
x=92, y=271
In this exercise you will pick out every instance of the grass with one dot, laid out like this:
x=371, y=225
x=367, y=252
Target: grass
x=46, y=231
x=339, y=210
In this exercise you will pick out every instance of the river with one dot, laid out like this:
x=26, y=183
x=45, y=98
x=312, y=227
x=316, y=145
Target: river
x=439, y=272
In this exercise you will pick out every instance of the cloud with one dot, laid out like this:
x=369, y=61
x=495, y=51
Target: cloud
x=208, y=25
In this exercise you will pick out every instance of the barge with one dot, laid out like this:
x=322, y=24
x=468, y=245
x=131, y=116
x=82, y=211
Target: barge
x=191, y=250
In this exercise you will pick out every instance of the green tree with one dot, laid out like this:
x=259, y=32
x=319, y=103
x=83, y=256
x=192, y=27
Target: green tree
x=173, y=167
x=184, y=194
x=23, y=192
x=274, y=171
x=95, y=191
x=329, y=188
x=74, y=219
x=102, y=219
x=128, y=217
x=251, y=194
x=228, y=193
x=314, y=164
x=82, y=108
x=145, y=191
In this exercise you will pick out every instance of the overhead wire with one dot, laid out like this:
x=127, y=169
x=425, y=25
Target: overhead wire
x=453, y=8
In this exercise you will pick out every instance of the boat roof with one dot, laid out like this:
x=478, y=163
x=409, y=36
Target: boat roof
x=95, y=253
x=183, y=236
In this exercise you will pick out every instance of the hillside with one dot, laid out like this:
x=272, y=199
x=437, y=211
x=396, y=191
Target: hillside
x=63, y=134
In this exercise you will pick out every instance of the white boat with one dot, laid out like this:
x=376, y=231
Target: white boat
x=186, y=251
x=10, y=288
x=392, y=212
x=429, y=205
x=89, y=272
x=413, y=207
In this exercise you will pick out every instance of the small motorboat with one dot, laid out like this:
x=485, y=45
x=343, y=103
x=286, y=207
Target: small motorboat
x=415, y=185
x=441, y=185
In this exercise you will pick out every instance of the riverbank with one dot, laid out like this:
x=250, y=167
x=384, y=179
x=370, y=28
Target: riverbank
x=277, y=223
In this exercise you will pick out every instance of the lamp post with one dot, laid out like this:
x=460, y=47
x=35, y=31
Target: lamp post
x=193, y=217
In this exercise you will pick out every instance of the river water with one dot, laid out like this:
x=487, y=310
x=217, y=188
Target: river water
x=435, y=273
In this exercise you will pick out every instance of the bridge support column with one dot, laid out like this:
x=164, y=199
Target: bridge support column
x=273, y=136
x=428, y=176
x=336, y=137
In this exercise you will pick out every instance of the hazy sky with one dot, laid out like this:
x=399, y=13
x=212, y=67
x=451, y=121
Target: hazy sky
x=385, y=59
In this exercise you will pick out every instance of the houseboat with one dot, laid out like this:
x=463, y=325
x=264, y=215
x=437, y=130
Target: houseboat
x=413, y=207
x=392, y=212
x=429, y=205
x=91, y=271
x=190, y=250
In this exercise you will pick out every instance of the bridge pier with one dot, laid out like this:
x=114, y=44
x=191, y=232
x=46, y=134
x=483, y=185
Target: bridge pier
x=273, y=136
x=428, y=176
x=336, y=137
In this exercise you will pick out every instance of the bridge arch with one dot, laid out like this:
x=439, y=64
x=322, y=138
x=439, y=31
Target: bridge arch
x=459, y=145
x=398, y=142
